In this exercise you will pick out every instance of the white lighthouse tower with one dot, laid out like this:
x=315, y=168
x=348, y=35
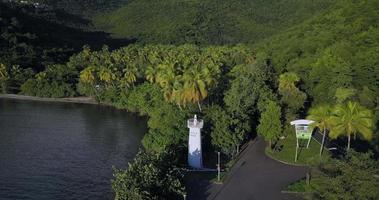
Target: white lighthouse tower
x=195, y=158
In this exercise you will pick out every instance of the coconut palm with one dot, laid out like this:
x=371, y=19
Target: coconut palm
x=196, y=82
x=87, y=75
x=351, y=119
x=106, y=75
x=165, y=73
x=321, y=116
x=151, y=74
x=130, y=75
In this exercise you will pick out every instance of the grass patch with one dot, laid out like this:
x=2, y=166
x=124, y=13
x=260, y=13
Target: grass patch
x=287, y=149
x=298, y=187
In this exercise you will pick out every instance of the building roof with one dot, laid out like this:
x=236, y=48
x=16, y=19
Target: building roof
x=302, y=122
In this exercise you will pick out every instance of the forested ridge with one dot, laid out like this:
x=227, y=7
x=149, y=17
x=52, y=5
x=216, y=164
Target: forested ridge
x=207, y=21
x=246, y=67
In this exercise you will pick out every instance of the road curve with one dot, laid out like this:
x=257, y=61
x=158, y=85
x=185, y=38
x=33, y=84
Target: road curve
x=254, y=177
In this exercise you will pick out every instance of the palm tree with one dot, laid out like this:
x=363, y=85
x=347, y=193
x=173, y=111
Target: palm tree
x=86, y=76
x=151, y=74
x=130, y=75
x=165, y=73
x=351, y=119
x=196, y=82
x=321, y=115
x=106, y=75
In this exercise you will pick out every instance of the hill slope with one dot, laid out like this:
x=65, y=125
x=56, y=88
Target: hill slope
x=36, y=37
x=338, y=49
x=84, y=8
x=207, y=21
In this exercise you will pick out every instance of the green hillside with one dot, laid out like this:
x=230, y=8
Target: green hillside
x=207, y=21
x=36, y=37
x=336, y=50
x=246, y=67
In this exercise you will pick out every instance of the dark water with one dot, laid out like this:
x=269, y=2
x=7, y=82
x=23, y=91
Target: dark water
x=64, y=151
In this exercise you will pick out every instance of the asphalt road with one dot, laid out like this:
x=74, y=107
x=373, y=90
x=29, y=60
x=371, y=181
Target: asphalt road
x=254, y=177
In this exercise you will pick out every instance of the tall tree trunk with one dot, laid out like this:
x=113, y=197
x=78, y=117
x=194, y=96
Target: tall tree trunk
x=198, y=104
x=348, y=142
x=323, y=141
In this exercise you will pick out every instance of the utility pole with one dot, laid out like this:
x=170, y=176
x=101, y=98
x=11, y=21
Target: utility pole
x=218, y=167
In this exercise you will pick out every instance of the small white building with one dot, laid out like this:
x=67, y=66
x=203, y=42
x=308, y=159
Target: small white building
x=195, y=158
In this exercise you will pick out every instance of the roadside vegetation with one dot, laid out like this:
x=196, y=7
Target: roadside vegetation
x=320, y=63
x=353, y=176
x=285, y=149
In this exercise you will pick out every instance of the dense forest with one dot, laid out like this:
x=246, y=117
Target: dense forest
x=33, y=38
x=207, y=21
x=246, y=67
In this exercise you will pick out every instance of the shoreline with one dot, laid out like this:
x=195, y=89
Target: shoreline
x=79, y=100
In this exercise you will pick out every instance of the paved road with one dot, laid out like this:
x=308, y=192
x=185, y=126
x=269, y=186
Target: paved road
x=254, y=177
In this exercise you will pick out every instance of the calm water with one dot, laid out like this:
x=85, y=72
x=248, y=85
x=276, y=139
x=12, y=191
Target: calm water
x=64, y=151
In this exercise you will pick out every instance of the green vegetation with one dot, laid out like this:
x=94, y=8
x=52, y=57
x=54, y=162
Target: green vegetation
x=207, y=21
x=162, y=79
x=351, y=119
x=150, y=176
x=270, y=125
x=292, y=99
x=56, y=81
x=354, y=176
x=33, y=38
x=348, y=119
x=330, y=51
x=285, y=151
x=309, y=58
x=321, y=116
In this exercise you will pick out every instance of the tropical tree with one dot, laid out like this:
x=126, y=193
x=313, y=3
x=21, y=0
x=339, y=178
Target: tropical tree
x=150, y=176
x=151, y=74
x=345, y=94
x=270, y=125
x=106, y=76
x=222, y=137
x=130, y=76
x=290, y=94
x=87, y=75
x=195, y=85
x=321, y=116
x=351, y=177
x=292, y=98
x=351, y=119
